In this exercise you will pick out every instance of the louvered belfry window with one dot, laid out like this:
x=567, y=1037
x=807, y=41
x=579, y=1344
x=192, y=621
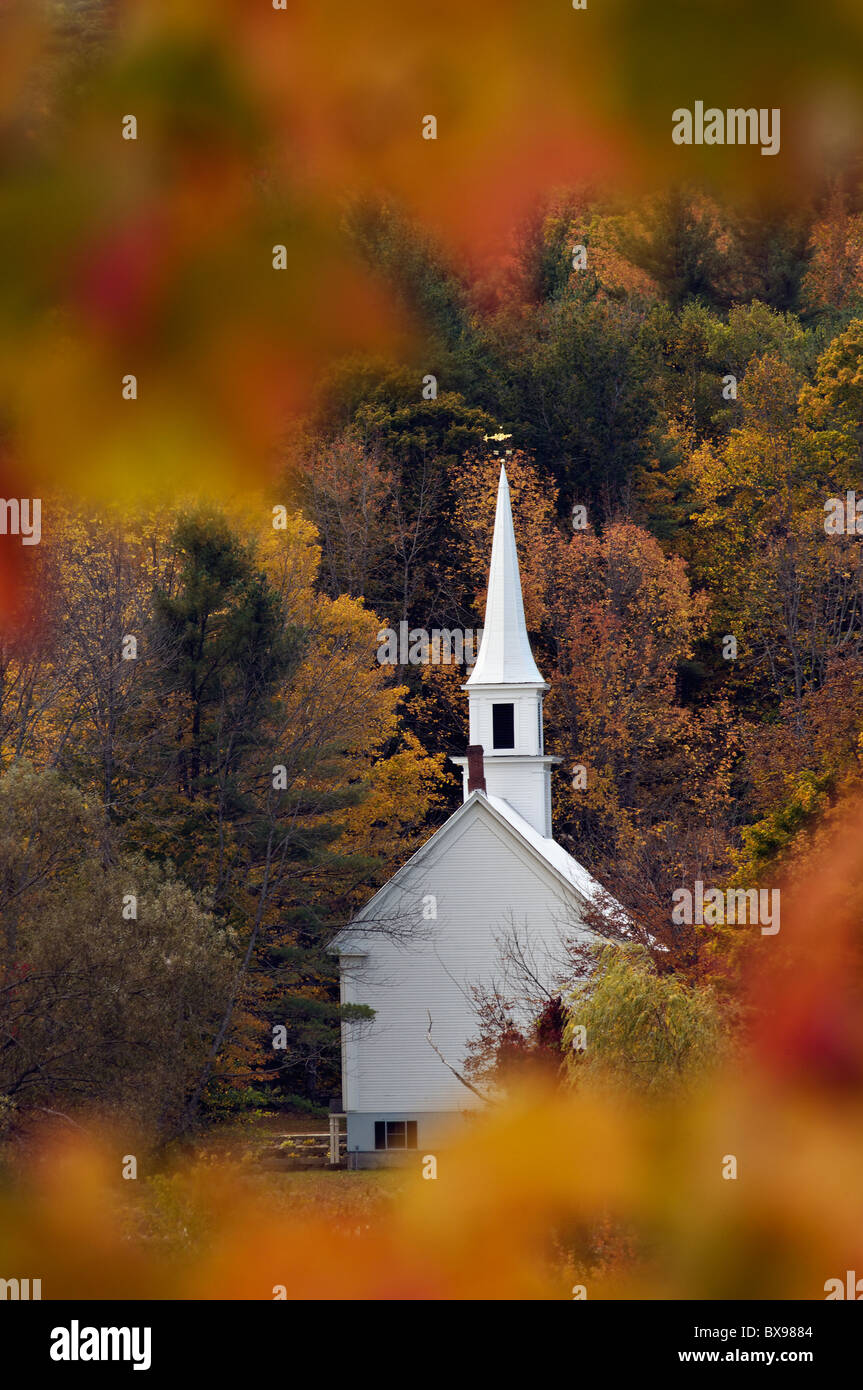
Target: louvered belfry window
x=503, y=726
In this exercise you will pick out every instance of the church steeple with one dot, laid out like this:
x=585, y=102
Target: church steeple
x=504, y=656
x=505, y=688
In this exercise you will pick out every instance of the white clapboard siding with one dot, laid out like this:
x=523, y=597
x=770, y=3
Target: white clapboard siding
x=486, y=879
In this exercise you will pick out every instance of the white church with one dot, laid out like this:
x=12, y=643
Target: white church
x=436, y=928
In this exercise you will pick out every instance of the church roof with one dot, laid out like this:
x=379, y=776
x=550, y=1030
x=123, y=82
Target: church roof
x=505, y=657
x=569, y=873
x=554, y=854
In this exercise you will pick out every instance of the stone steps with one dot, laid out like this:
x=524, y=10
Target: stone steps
x=297, y=1151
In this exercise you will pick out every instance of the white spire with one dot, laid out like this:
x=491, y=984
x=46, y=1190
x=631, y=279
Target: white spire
x=504, y=657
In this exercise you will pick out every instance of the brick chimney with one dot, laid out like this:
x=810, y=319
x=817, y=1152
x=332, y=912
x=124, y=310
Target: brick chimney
x=475, y=769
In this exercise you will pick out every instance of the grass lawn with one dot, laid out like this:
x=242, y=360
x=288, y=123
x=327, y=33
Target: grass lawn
x=336, y=1191
x=172, y=1208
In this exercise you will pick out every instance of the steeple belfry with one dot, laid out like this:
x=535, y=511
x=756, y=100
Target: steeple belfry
x=505, y=688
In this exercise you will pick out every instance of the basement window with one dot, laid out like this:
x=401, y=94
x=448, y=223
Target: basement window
x=503, y=726
x=395, y=1134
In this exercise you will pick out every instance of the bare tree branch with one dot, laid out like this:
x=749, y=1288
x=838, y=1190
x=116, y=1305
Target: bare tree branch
x=458, y=1076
